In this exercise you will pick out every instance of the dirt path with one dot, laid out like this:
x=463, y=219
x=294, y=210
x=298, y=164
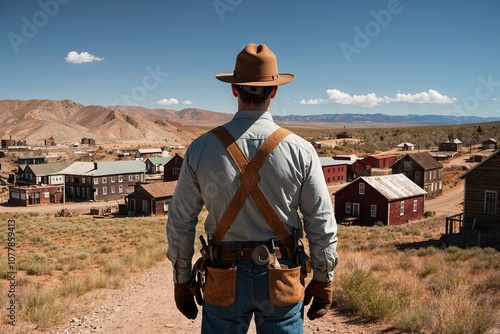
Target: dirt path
x=145, y=305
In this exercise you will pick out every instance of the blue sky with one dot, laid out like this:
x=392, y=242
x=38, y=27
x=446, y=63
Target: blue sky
x=349, y=56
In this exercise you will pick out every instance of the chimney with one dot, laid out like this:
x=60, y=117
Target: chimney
x=95, y=165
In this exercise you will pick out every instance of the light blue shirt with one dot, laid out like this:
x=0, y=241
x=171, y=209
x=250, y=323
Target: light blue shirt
x=291, y=179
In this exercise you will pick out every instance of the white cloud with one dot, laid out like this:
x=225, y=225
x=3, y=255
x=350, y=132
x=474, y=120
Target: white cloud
x=187, y=102
x=82, y=57
x=372, y=100
x=495, y=99
x=167, y=102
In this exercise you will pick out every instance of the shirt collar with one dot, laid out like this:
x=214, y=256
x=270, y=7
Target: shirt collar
x=253, y=114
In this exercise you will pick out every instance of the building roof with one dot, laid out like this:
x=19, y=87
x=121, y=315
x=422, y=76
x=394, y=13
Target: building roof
x=48, y=169
x=381, y=156
x=149, y=150
x=103, y=168
x=78, y=168
x=159, y=160
x=327, y=161
x=159, y=189
x=425, y=160
x=454, y=141
x=345, y=157
x=405, y=143
x=490, y=140
x=394, y=186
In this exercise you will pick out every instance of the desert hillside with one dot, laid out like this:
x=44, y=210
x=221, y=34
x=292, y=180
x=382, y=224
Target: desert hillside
x=67, y=122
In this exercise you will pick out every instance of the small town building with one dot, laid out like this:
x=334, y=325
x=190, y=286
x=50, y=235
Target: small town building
x=88, y=141
x=405, y=146
x=422, y=169
x=479, y=224
x=355, y=166
x=38, y=174
x=453, y=145
x=151, y=198
x=35, y=194
x=489, y=144
x=342, y=135
x=334, y=171
x=155, y=165
x=31, y=160
x=50, y=142
x=172, y=168
x=388, y=199
x=380, y=160
x=144, y=153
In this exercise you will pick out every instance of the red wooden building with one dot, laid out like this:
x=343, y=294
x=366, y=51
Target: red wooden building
x=380, y=160
x=335, y=171
x=390, y=199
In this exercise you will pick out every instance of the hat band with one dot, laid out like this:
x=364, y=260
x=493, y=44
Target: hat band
x=256, y=77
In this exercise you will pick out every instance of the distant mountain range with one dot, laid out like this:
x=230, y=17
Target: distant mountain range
x=388, y=119
x=67, y=121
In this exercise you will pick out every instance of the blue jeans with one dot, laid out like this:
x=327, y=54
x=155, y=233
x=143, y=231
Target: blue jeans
x=252, y=298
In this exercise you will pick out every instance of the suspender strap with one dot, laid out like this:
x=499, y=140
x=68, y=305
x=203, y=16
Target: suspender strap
x=249, y=178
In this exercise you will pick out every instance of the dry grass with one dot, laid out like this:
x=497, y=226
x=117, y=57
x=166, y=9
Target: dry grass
x=402, y=275
x=58, y=259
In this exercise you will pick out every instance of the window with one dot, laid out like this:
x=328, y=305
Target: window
x=120, y=178
x=112, y=179
x=402, y=208
x=407, y=166
x=104, y=190
x=83, y=179
x=144, y=206
x=112, y=189
x=176, y=170
x=104, y=180
x=96, y=180
x=120, y=188
x=373, y=211
x=355, y=209
x=130, y=177
x=328, y=170
x=347, y=207
x=415, y=205
x=490, y=202
x=361, y=188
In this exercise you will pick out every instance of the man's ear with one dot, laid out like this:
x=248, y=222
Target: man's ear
x=273, y=93
x=234, y=90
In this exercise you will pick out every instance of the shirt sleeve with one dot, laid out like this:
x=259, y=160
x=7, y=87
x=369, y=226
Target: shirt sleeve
x=182, y=219
x=319, y=222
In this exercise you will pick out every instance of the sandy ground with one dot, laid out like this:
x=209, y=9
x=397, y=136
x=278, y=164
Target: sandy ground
x=145, y=305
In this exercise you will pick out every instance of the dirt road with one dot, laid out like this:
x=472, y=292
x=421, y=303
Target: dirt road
x=145, y=305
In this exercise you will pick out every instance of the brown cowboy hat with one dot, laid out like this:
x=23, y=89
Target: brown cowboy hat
x=256, y=65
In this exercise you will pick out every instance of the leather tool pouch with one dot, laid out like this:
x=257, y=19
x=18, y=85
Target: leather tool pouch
x=285, y=286
x=220, y=286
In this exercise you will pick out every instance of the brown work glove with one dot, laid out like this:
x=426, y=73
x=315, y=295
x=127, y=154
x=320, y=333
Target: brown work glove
x=184, y=300
x=321, y=293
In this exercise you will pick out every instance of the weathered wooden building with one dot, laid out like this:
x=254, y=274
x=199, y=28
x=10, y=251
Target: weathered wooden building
x=452, y=145
x=151, y=198
x=422, y=169
x=479, y=224
x=390, y=199
x=489, y=144
x=355, y=166
x=172, y=168
x=156, y=165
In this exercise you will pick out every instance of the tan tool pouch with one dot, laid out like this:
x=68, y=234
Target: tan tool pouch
x=220, y=286
x=285, y=286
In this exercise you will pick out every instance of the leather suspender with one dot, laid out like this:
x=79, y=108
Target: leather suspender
x=249, y=178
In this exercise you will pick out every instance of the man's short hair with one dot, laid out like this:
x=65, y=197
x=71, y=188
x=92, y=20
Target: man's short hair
x=254, y=94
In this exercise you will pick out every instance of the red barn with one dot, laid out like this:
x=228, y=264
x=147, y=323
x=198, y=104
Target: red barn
x=380, y=160
x=390, y=199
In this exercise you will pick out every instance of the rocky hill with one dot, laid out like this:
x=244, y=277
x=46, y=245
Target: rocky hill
x=67, y=122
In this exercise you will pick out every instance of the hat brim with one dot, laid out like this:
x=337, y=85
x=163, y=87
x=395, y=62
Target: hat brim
x=283, y=78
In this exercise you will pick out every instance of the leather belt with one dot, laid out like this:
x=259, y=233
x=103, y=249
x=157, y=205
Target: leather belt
x=242, y=251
